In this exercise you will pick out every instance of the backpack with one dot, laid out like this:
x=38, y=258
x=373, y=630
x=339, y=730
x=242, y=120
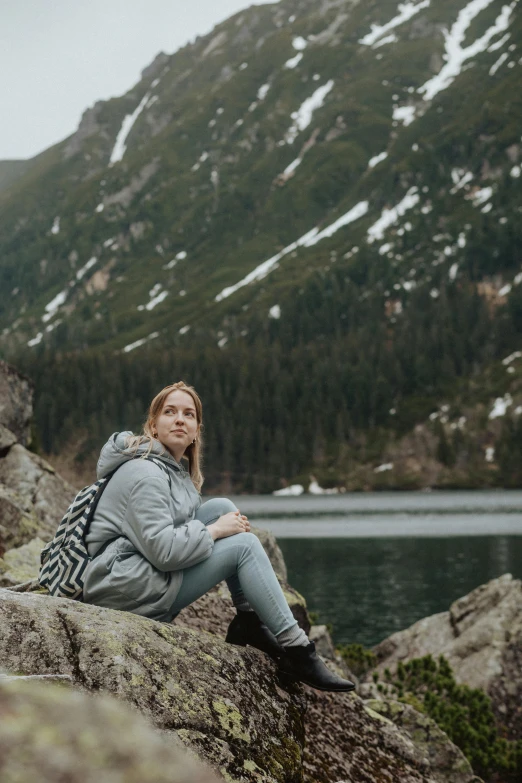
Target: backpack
x=64, y=559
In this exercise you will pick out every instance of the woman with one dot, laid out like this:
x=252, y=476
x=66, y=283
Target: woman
x=156, y=548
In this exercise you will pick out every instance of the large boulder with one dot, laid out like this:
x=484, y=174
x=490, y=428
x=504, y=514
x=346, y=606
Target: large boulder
x=16, y=403
x=56, y=734
x=224, y=702
x=481, y=637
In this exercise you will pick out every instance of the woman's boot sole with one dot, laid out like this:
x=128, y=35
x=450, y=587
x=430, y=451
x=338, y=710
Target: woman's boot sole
x=317, y=687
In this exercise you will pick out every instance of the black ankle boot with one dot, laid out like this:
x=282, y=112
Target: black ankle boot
x=247, y=628
x=302, y=664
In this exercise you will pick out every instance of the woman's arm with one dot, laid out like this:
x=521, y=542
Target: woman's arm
x=152, y=531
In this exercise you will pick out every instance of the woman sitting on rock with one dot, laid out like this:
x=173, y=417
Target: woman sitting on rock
x=156, y=547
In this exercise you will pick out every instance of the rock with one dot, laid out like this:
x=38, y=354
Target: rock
x=350, y=740
x=444, y=760
x=33, y=498
x=89, y=126
x=124, y=196
x=224, y=702
x=7, y=439
x=481, y=638
x=320, y=635
x=19, y=522
x=16, y=403
x=54, y=733
x=21, y=564
x=159, y=62
x=341, y=734
x=211, y=613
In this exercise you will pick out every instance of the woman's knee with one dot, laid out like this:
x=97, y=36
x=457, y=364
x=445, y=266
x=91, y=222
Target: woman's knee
x=250, y=540
x=214, y=508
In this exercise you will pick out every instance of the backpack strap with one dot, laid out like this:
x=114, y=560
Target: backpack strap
x=96, y=500
x=164, y=468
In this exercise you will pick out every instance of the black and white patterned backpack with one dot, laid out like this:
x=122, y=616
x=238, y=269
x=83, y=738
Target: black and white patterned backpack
x=64, y=559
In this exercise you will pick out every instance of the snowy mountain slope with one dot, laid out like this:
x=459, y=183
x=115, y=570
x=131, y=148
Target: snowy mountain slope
x=236, y=148
x=364, y=155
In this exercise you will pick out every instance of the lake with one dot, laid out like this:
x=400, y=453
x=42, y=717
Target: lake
x=373, y=563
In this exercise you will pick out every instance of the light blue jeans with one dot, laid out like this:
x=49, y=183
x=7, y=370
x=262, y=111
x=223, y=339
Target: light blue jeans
x=240, y=560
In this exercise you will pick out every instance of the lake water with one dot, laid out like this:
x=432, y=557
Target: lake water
x=374, y=563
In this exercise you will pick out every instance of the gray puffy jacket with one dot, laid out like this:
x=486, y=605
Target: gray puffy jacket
x=154, y=529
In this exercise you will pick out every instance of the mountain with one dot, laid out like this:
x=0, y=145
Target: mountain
x=11, y=170
x=313, y=214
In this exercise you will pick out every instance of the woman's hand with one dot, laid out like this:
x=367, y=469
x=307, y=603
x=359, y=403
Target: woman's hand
x=229, y=524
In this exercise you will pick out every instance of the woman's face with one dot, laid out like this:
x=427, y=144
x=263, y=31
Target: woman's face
x=177, y=424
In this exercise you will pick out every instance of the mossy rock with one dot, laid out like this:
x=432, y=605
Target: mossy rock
x=59, y=733
x=227, y=700
x=21, y=564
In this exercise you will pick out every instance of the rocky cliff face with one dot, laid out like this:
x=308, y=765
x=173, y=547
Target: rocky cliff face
x=33, y=497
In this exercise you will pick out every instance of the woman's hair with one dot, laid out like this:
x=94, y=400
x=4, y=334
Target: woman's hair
x=193, y=453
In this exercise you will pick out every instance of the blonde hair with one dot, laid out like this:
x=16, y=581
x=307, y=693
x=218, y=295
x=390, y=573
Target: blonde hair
x=193, y=452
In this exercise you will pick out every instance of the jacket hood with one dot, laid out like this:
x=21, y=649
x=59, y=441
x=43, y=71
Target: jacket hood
x=114, y=453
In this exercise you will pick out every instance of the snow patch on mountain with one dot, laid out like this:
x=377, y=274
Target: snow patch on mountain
x=455, y=54
x=500, y=406
x=502, y=59
x=499, y=44
x=35, y=340
x=460, y=179
x=390, y=216
x=299, y=43
x=303, y=116
x=386, y=40
x=85, y=268
x=406, y=11
x=292, y=166
x=307, y=240
x=54, y=304
x=139, y=343
x=404, y=114
x=293, y=62
x=384, y=467
x=511, y=358
x=377, y=159
x=262, y=92
x=118, y=151
x=481, y=196
x=156, y=296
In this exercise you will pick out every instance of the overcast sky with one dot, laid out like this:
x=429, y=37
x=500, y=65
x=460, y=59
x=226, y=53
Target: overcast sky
x=57, y=57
